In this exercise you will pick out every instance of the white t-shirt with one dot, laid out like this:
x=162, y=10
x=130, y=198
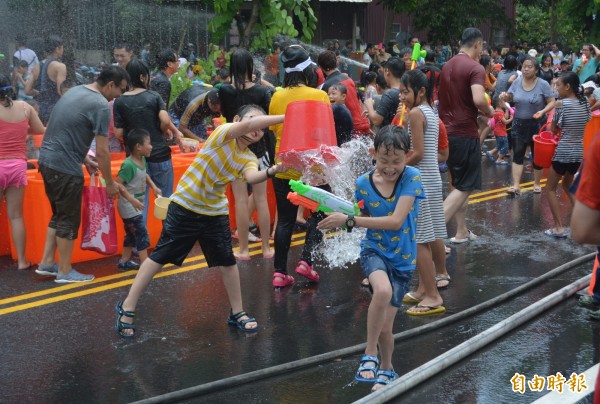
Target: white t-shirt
x=556, y=57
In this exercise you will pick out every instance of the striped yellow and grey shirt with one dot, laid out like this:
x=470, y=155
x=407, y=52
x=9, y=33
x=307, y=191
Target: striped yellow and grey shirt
x=219, y=162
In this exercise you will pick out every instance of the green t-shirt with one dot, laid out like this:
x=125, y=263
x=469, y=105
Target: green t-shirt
x=134, y=179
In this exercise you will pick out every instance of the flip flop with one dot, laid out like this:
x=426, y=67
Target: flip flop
x=442, y=278
x=553, y=233
x=430, y=310
x=410, y=299
x=537, y=189
x=490, y=157
x=513, y=191
x=470, y=237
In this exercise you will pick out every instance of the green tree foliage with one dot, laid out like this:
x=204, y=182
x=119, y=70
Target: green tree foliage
x=445, y=20
x=575, y=21
x=293, y=18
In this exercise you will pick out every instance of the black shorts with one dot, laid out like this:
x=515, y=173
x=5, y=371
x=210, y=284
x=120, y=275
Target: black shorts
x=563, y=168
x=64, y=191
x=464, y=163
x=182, y=228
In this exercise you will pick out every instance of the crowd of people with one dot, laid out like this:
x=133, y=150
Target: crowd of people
x=439, y=114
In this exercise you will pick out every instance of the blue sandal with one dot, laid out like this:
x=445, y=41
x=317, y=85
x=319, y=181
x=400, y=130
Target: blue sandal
x=364, y=368
x=385, y=377
x=120, y=326
x=234, y=320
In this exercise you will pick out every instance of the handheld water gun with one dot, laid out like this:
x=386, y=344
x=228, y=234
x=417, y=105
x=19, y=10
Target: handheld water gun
x=319, y=200
x=416, y=55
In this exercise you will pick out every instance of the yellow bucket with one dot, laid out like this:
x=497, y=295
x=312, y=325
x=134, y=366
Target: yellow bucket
x=161, y=205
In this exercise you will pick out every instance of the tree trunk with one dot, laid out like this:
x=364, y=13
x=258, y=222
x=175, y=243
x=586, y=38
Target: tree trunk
x=247, y=33
x=553, y=21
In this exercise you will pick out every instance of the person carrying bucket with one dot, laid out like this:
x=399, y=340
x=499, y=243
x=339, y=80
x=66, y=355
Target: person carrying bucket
x=571, y=115
x=532, y=98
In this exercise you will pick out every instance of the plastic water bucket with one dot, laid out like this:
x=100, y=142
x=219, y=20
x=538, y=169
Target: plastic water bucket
x=37, y=140
x=161, y=205
x=544, y=151
x=307, y=125
x=592, y=129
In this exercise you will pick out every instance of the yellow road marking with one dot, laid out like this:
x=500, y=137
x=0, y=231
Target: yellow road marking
x=473, y=198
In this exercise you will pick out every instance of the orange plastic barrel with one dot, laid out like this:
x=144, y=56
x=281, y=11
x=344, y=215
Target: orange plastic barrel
x=37, y=140
x=308, y=125
x=591, y=130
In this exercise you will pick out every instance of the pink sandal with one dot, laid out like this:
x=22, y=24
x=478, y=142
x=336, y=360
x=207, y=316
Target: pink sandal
x=306, y=271
x=281, y=280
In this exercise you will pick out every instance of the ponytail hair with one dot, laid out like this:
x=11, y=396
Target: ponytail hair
x=572, y=79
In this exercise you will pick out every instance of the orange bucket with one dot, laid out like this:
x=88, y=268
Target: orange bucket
x=592, y=129
x=307, y=125
x=544, y=147
x=37, y=140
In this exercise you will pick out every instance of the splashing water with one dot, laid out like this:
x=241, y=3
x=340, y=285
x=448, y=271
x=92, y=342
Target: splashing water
x=318, y=49
x=351, y=160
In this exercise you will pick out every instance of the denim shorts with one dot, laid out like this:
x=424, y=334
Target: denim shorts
x=182, y=228
x=136, y=234
x=400, y=280
x=502, y=144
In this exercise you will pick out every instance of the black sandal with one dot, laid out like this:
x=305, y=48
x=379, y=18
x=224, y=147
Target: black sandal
x=120, y=326
x=234, y=320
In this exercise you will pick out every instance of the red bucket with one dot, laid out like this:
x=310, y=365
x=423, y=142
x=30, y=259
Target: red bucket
x=544, y=147
x=37, y=140
x=308, y=125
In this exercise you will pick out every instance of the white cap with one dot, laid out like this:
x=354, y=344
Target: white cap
x=532, y=52
x=589, y=84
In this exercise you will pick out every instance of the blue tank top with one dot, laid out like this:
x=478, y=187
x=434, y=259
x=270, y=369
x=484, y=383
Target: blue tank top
x=48, y=97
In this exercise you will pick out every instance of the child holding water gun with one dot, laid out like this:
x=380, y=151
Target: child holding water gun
x=388, y=251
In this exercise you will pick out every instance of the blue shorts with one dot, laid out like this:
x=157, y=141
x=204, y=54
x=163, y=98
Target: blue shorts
x=136, y=234
x=400, y=280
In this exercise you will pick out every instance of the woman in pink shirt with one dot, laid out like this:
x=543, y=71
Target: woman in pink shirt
x=17, y=119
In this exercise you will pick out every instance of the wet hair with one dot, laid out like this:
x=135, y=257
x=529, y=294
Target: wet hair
x=23, y=64
x=547, y=55
x=395, y=66
x=470, y=36
x=213, y=97
x=572, y=79
x=136, y=136
x=52, y=42
x=510, y=62
x=307, y=77
x=223, y=73
x=241, y=67
x=246, y=109
x=485, y=60
x=430, y=57
x=327, y=60
x=136, y=68
x=496, y=101
x=536, y=63
x=405, y=51
x=498, y=49
x=381, y=81
x=392, y=137
x=368, y=77
x=370, y=45
x=123, y=45
x=374, y=67
x=340, y=87
x=115, y=74
x=7, y=92
x=415, y=80
x=163, y=57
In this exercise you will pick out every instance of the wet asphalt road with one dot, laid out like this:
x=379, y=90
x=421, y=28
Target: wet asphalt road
x=58, y=343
